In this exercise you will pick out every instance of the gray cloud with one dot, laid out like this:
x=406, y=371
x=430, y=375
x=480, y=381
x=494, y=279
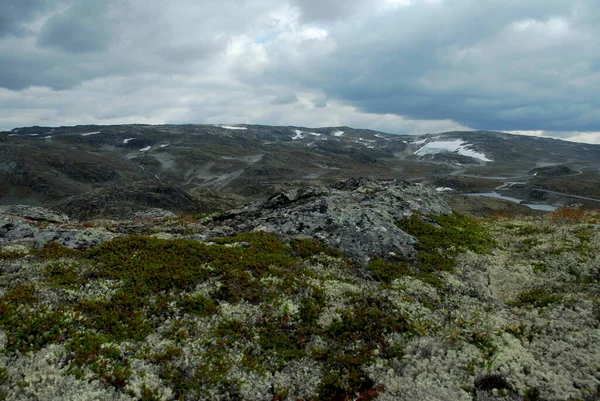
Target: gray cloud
x=318, y=10
x=83, y=27
x=15, y=13
x=320, y=102
x=284, y=99
x=489, y=65
x=502, y=65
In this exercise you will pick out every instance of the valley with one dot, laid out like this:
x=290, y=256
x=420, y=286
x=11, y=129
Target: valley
x=190, y=168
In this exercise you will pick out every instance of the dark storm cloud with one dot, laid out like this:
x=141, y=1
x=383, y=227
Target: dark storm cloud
x=15, y=13
x=473, y=63
x=82, y=27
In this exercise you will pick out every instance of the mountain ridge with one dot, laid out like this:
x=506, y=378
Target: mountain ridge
x=237, y=164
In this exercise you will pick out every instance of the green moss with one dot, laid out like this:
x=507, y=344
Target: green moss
x=54, y=250
x=284, y=340
x=307, y=247
x=386, y=272
x=11, y=255
x=442, y=238
x=539, y=267
x=29, y=325
x=198, y=305
x=123, y=317
x=538, y=297
x=32, y=329
x=94, y=352
x=3, y=381
x=354, y=340
x=62, y=273
x=165, y=356
x=149, y=265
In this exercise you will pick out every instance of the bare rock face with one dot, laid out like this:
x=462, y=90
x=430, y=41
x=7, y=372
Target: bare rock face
x=357, y=216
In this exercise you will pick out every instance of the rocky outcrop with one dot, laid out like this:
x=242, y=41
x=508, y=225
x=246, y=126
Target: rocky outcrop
x=120, y=202
x=33, y=213
x=357, y=216
x=37, y=226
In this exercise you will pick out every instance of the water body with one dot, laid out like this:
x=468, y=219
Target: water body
x=548, y=208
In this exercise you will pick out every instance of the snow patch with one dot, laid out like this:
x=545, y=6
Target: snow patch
x=90, y=133
x=48, y=137
x=453, y=146
x=126, y=141
x=421, y=142
x=164, y=145
x=314, y=133
x=298, y=135
x=232, y=127
x=145, y=149
x=338, y=133
x=443, y=189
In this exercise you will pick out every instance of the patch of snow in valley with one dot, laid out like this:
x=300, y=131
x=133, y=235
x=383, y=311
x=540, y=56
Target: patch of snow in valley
x=338, y=133
x=126, y=141
x=453, y=146
x=90, y=133
x=164, y=145
x=48, y=137
x=443, y=189
x=147, y=148
x=421, y=142
x=314, y=133
x=298, y=135
x=232, y=127
x=383, y=137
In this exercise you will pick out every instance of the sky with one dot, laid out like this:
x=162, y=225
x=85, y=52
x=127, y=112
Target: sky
x=399, y=66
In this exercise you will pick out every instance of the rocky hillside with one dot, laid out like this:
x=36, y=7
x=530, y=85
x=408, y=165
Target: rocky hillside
x=113, y=171
x=360, y=290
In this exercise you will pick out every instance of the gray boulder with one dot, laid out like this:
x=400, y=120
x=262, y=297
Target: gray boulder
x=357, y=216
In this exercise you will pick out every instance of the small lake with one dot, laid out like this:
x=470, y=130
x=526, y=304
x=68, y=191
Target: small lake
x=547, y=208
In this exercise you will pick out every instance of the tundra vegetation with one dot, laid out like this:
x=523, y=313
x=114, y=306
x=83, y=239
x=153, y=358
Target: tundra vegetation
x=498, y=309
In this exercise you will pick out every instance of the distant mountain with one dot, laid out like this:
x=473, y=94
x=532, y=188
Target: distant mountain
x=87, y=169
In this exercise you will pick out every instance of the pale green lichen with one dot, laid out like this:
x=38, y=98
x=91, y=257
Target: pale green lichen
x=286, y=327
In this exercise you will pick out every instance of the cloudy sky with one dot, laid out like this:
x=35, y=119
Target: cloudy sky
x=400, y=66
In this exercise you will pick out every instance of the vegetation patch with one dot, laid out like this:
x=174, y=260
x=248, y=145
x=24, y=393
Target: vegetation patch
x=255, y=317
x=442, y=238
x=538, y=297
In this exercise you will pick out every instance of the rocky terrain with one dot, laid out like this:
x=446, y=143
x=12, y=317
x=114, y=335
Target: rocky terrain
x=113, y=171
x=358, y=290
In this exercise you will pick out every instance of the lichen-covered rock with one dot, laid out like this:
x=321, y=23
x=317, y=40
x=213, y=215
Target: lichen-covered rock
x=357, y=216
x=33, y=213
x=15, y=230
x=37, y=226
x=75, y=238
x=154, y=213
